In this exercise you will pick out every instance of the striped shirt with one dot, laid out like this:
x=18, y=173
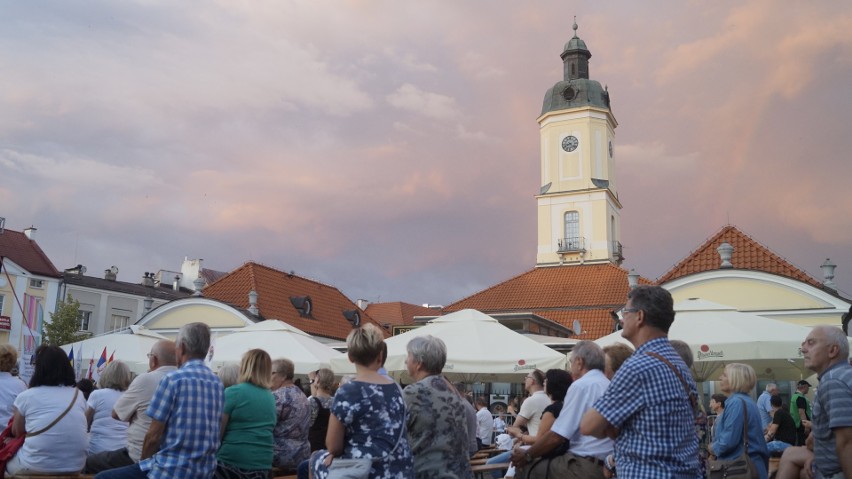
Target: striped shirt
x=647, y=402
x=189, y=402
x=832, y=409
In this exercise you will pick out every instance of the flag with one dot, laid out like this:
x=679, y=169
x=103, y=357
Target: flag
x=111, y=357
x=99, y=368
x=71, y=356
x=91, y=367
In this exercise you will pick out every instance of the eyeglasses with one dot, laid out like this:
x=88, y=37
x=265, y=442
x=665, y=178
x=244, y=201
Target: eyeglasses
x=150, y=355
x=630, y=310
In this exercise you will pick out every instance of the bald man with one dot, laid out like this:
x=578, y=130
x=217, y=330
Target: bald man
x=131, y=407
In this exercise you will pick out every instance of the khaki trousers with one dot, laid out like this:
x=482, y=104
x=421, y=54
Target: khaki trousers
x=566, y=466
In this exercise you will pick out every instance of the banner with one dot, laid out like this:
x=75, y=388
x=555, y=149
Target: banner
x=31, y=335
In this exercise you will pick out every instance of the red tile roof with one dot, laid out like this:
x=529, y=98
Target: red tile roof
x=748, y=254
x=275, y=288
x=398, y=313
x=26, y=253
x=561, y=294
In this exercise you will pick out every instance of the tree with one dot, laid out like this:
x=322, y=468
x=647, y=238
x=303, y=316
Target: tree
x=64, y=325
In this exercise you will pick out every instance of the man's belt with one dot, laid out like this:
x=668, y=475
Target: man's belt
x=593, y=460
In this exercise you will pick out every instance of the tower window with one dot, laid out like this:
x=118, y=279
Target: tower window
x=573, y=70
x=572, y=240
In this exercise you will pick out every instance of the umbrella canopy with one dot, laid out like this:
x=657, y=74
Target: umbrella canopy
x=131, y=346
x=719, y=335
x=479, y=348
x=277, y=338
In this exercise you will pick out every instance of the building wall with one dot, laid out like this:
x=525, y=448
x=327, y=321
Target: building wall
x=45, y=296
x=765, y=294
x=108, y=308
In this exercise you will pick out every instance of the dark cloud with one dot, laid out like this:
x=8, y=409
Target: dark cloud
x=391, y=149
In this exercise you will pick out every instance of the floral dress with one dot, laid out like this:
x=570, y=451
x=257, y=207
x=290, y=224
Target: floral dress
x=291, y=428
x=373, y=418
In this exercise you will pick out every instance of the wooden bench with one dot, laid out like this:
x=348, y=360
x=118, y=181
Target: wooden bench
x=71, y=476
x=480, y=471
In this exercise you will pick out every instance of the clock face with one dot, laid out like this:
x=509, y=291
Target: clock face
x=610, y=148
x=569, y=143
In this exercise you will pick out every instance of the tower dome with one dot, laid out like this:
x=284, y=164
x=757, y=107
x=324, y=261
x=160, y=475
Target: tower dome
x=576, y=89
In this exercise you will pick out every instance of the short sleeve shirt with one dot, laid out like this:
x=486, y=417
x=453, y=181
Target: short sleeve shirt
x=532, y=408
x=131, y=407
x=647, y=402
x=832, y=409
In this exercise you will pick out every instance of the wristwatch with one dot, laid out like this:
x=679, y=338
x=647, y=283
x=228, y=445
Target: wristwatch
x=527, y=456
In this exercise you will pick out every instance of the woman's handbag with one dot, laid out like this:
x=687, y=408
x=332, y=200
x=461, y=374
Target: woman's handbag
x=739, y=468
x=9, y=445
x=343, y=468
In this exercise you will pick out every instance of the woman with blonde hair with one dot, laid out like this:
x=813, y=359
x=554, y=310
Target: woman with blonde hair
x=367, y=415
x=737, y=382
x=10, y=386
x=247, y=421
x=322, y=385
x=107, y=433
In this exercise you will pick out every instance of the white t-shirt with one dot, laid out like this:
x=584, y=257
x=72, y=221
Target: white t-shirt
x=532, y=409
x=62, y=448
x=484, y=425
x=106, y=434
x=131, y=407
x=10, y=387
x=580, y=397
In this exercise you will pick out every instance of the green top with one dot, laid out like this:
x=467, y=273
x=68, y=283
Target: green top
x=247, y=443
x=794, y=409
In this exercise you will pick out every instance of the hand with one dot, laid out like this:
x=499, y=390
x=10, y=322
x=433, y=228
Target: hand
x=807, y=467
x=514, y=431
x=328, y=459
x=606, y=472
x=519, y=457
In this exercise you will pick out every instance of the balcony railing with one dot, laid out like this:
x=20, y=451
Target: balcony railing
x=571, y=245
x=617, y=253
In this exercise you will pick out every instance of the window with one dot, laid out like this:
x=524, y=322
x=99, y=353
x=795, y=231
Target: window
x=37, y=283
x=119, y=322
x=303, y=305
x=84, y=317
x=2, y=302
x=572, y=230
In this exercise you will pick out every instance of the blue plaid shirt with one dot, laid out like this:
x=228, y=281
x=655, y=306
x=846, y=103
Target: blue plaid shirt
x=646, y=401
x=189, y=402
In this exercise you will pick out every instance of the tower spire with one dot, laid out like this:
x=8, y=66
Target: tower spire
x=575, y=27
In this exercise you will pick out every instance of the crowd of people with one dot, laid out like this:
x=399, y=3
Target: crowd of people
x=617, y=411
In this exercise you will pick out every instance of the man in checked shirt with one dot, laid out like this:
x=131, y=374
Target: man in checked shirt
x=647, y=407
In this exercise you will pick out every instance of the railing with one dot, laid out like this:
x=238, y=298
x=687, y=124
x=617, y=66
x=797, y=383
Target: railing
x=617, y=251
x=568, y=245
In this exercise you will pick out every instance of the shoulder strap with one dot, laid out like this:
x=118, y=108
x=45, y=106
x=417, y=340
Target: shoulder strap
x=73, y=401
x=745, y=426
x=693, y=401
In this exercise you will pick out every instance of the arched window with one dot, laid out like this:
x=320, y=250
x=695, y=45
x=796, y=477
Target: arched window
x=572, y=230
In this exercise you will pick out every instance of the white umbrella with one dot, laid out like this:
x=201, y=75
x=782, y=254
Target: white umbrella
x=131, y=346
x=719, y=335
x=277, y=338
x=479, y=348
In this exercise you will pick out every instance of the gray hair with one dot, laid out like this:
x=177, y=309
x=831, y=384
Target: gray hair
x=836, y=337
x=770, y=387
x=429, y=351
x=592, y=355
x=116, y=376
x=164, y=350
x=229, y=374
x=657, y=303
x=195, y=339
x=684, y=351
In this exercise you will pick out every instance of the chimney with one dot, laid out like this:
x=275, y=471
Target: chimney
x=111, y=273
x=633, y=279
x=253, y=302
x=199, y=285
x=828, y=273
x=176, y=283
x=31, y=232
x=725, y=252
x=362, y=304
x=2, y=224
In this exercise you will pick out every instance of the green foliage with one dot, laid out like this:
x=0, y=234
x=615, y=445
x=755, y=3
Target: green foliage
x=64, y=324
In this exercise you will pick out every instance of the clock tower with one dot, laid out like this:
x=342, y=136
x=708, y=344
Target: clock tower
x=578, y=207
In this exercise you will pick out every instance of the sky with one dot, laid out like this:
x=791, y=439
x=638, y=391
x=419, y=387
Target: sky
x=391, y=148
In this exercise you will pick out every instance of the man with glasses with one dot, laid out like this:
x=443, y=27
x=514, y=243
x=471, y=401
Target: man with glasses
x=648, y=406
x=533, y=406
x=131, y=407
